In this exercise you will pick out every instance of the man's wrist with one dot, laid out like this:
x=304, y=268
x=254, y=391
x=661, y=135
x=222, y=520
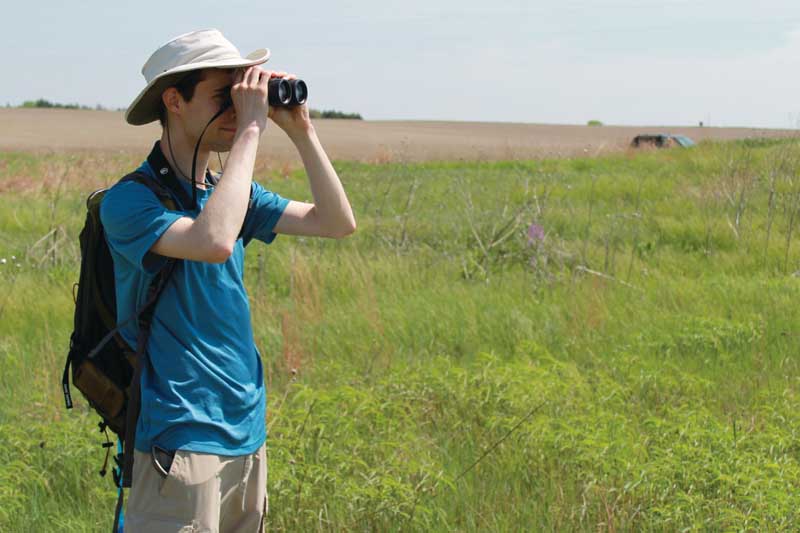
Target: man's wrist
x=249, y=130
x=303, y=135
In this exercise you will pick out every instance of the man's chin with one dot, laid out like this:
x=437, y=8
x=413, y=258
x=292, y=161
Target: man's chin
x=221, y=147
x=224, y=141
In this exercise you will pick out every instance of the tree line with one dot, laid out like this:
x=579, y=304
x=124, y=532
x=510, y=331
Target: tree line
x=41, y=103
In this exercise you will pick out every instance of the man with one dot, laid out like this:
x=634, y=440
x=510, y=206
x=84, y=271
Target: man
x=199, y=459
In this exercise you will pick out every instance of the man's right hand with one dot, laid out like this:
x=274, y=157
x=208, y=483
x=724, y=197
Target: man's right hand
x=249, y=94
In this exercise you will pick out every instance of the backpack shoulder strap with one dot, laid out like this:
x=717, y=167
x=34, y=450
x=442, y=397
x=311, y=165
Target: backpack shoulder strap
x=249, y=210
x=145, y=318
x=172, y=196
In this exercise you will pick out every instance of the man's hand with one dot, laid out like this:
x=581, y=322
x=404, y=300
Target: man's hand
x=293, y=120
x=249, y=95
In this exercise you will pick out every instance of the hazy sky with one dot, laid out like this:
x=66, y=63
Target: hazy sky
x=643, y=62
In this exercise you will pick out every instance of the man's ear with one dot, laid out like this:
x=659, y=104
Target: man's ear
x=172, y=100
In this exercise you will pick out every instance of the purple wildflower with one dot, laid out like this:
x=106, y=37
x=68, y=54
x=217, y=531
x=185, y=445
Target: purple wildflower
x=535, y=234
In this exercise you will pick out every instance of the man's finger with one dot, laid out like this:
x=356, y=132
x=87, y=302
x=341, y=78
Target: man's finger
x=238, y=75
x=265, y=77
x=252, y=76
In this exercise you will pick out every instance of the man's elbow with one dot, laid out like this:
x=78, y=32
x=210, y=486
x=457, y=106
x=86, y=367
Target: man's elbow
x=219, y=252
x=344, y=230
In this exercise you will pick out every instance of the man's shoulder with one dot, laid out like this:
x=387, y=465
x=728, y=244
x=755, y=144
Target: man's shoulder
x=138, y=183
x=127, y=191
x=126, y=198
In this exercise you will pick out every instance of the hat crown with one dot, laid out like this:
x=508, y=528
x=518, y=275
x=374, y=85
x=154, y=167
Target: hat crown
x=195, y=47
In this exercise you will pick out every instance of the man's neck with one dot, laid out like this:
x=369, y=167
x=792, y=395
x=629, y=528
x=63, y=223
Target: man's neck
x=180, y=152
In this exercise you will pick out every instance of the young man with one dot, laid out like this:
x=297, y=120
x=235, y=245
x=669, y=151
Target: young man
x=199, y=460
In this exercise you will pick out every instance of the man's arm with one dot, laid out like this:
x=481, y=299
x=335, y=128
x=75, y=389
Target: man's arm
x=330, y=215
x=212, y=235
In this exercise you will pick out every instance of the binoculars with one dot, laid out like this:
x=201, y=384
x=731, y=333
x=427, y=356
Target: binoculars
x=287, y=93
x=282, y=93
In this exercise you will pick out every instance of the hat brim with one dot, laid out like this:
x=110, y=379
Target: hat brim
x=144, y=108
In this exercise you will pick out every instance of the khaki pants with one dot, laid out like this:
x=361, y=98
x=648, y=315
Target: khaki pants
x=201, y=493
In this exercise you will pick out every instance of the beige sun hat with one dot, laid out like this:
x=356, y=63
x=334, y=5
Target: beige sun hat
x=190, y=51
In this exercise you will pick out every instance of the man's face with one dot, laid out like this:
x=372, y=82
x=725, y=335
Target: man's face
x=209, y=95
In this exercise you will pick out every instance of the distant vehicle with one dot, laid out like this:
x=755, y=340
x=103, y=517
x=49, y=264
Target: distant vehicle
x=661, y=140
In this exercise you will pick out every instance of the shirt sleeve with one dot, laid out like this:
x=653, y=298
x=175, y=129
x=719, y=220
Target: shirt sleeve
x=265, y=211
x=134, y=219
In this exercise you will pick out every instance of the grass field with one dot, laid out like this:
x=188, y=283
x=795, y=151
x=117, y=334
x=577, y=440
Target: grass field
x=601, y=344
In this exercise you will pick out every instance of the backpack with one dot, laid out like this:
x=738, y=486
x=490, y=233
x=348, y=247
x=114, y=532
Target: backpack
x=105, y=368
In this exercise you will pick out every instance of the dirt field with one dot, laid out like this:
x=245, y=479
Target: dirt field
x=374, y=141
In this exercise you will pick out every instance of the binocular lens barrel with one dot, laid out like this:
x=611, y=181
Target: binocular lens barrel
x=299, y=92
x=286, y=93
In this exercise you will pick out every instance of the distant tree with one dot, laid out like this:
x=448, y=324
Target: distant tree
x=41, y=103
x=316, y=113
x=594, y=123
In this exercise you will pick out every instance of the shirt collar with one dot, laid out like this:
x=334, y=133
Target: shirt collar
x=165, y=173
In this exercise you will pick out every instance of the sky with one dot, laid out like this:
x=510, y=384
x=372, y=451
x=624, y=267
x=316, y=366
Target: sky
x=627, y=62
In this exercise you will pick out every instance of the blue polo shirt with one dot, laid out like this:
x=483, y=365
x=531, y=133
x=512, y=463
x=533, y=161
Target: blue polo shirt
x=203, y=390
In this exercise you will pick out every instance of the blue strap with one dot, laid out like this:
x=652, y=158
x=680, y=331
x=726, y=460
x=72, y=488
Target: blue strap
x=119, y=518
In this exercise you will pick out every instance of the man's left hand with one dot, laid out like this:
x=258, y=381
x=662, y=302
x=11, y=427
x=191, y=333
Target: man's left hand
x=293, y=120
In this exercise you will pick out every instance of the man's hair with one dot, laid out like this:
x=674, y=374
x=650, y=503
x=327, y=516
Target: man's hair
x=185, y=86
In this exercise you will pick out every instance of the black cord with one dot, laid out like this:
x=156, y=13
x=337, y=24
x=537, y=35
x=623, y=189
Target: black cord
x=224, y=107
x=180, y=174
x=197, y=149
x=174, y=161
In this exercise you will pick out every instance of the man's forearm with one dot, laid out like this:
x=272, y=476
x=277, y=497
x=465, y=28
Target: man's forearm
x=331, y=205
x=222, y=217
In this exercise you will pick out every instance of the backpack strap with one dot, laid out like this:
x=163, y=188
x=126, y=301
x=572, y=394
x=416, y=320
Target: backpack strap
x=168, y=191
x=249, y=210
x=142, y=359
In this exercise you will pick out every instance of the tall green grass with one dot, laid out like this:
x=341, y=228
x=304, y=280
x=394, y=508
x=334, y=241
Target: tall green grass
x=632, y=366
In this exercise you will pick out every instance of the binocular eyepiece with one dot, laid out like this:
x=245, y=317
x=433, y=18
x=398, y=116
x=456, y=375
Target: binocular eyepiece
x=287, y=93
